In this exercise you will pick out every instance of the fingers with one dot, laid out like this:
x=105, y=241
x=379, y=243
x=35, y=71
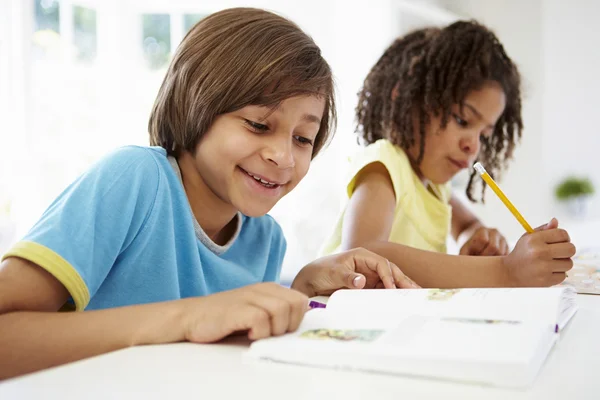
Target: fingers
x=561, y=265
x=465, y=250
x=391, y=277
x=340, y=276
x=555, y=236
x=365, y=259
x=493, y=247
x=402, y=281
x=562, y=250
x=386, y=275
x=299, y=308
x=497, y=245
x=276, y=310
x=257, y=321
x=356, y=269
x=476, y=245
x=553, y=224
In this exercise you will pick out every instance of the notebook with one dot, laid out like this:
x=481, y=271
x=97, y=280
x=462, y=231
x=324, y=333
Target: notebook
x=497, y=337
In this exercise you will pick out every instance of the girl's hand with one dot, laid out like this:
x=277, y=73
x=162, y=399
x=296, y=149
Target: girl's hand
x=353, y=269
x=541, y=258
x=485, y=242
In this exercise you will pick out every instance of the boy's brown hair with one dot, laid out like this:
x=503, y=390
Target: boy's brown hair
x=235, y=58
x=430, y=70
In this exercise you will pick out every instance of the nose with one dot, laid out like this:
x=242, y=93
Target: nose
x=470, y=143
x=278, y=151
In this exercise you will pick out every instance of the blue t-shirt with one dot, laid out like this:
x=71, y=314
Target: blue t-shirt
x=123, y=233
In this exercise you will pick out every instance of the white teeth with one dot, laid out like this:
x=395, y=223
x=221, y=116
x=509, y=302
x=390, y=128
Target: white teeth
x=267, y=183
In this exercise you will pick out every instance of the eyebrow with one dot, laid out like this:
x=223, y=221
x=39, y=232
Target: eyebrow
x=477, y=113
x=311, y=118
x=306, y=117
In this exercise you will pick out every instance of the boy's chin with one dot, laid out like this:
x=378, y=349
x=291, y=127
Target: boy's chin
x=255, y=210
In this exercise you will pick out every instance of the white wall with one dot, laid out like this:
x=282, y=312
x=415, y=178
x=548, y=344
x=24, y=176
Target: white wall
x=518, y=25
x=571, y=95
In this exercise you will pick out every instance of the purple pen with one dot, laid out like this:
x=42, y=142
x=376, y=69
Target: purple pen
x=316, y=304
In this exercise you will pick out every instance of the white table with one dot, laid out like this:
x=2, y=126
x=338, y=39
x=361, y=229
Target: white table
x=221, y=371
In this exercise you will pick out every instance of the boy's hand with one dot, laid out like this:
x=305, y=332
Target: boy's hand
x=263, y=310
x=353, y=269
x=541, y=258
x=485, y=242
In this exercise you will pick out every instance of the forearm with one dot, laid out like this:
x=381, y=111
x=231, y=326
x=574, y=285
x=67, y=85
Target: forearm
x=438, y=270
x=30, y=341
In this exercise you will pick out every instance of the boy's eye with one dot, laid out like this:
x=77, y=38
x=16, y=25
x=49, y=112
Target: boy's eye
x=255, y=126
x=303, y=141
x=459, y=120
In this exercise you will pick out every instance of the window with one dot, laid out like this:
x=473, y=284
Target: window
x=189, y=20
x=88, y=72
x=47, y=15
x=84, y=35
x=156, y=40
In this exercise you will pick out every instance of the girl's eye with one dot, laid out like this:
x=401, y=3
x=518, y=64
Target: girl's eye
x=459, y=120
x=303, y=141
x=255, y=126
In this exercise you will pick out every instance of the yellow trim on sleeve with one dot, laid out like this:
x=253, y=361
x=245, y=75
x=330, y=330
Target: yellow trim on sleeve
x=55, y=265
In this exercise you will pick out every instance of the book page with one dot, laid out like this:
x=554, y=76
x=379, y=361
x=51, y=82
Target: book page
x=585, y=274
x=494, y=303
x=445, y=347
x=415, y=336
x=326, y=330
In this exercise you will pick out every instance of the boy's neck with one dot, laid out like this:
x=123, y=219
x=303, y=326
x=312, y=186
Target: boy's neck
x=215, y=217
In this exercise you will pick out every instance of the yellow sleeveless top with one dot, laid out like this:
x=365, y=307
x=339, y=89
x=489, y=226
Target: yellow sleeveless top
x=421, y=219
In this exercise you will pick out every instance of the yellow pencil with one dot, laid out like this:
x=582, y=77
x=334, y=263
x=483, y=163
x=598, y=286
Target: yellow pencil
x=488, y=179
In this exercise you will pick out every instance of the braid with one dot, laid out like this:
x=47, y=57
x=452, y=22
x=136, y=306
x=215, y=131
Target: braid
x=426, y=72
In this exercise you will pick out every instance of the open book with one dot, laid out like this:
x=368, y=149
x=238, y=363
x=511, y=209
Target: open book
x=487, y=336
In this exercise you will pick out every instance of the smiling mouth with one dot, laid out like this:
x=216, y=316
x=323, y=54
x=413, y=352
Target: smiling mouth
x=262, y=181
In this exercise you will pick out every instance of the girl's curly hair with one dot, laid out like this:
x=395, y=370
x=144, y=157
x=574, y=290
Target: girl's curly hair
x=428, y=71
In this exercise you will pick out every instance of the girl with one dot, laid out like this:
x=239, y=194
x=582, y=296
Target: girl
x=171, y=242
x=437, y=101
